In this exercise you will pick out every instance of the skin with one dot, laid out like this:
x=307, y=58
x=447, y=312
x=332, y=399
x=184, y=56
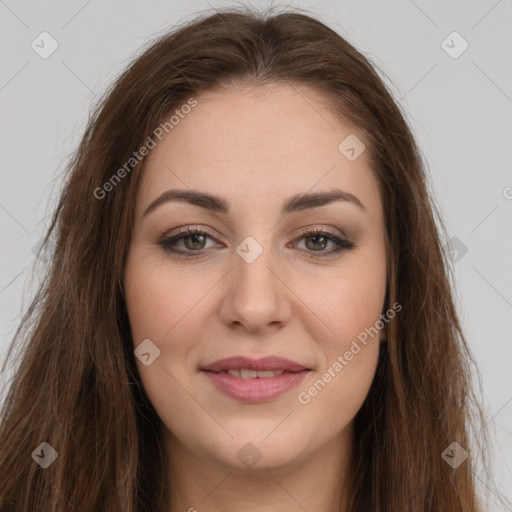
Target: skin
x=256, y=147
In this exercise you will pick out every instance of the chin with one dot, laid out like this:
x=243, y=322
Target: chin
x=248, y=451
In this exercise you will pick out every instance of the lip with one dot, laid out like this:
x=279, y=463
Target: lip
x=265, y=363
x=255, y=390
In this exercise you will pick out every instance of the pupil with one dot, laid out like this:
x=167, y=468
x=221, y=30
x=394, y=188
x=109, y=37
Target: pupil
x=316, y=238
x=195, y=237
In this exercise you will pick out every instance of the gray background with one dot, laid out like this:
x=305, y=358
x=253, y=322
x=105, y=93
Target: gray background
x=459, y=108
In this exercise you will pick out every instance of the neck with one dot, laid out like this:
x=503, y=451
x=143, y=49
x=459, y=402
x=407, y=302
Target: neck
x=314, y=482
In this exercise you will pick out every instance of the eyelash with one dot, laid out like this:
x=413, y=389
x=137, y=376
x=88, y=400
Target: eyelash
x=167, y=243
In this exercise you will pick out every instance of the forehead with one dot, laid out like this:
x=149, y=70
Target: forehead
x=257, y=144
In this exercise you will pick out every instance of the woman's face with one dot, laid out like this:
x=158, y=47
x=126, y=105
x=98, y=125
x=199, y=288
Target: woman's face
x=254, y=283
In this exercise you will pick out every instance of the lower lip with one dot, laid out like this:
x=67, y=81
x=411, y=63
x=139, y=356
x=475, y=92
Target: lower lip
x=256, y=390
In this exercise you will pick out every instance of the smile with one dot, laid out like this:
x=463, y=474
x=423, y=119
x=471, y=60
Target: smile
x=254, y=380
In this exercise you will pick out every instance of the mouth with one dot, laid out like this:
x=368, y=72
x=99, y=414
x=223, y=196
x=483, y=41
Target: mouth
x=244, y=373
x=255, y=380
x=265, y=364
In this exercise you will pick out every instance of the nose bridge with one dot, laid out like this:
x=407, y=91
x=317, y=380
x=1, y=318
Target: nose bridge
x=252, y=267
x=256, y=297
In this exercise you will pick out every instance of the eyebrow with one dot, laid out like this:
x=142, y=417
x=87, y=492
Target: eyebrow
x=220, y=205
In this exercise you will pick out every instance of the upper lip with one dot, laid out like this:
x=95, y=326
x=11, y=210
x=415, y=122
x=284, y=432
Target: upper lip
x=265, y=363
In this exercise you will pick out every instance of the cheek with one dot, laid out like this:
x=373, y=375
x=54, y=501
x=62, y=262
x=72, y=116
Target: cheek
x=337, y=394
x=169, y=306
x=351, y=307
x=161, y=300
x=350, y=348
x=163, y=306
x=351, y=303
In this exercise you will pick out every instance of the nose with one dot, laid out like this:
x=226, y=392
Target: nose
x=257, y=299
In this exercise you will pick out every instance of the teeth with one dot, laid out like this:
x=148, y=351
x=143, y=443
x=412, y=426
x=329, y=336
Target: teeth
x=248, y=374
x=269, y=373
x=253, y=374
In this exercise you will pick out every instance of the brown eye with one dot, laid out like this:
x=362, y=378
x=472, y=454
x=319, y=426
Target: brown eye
x=193, y=243
x=197, y=241
x=192, y=240
x=317, y=240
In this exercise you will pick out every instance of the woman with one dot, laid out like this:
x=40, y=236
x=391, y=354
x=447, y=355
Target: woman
x=248, y=307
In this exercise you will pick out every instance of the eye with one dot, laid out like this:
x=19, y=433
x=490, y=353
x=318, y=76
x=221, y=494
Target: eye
x=316, y=240
x=193, y=242
x=192, y=238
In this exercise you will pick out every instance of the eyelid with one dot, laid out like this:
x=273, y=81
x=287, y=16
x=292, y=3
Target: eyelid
x=315, y=228
x=185, y=230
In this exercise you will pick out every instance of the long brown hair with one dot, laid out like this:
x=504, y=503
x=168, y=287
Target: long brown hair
x=76, y=386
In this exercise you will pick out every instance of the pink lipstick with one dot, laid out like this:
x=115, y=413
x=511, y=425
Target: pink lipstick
x=255, y=380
